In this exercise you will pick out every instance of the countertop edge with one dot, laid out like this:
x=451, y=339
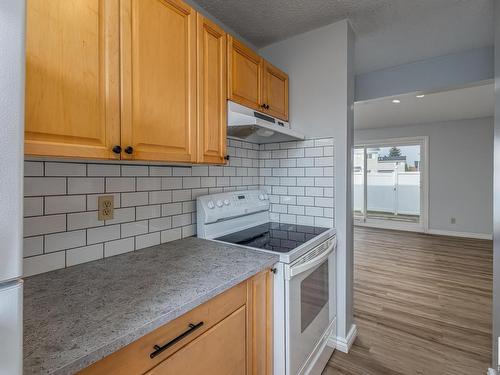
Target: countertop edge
x=97, y=355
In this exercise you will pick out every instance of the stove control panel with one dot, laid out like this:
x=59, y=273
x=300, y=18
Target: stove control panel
x=223, y=206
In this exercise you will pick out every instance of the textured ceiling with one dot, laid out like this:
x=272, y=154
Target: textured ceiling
x=388, y=32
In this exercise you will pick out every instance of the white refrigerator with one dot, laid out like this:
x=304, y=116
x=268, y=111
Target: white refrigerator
x=12, y=32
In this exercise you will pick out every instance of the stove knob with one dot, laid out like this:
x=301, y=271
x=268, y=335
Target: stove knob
x=226, y=202
x=219, y=204
x=261, y=197
x=210, y=204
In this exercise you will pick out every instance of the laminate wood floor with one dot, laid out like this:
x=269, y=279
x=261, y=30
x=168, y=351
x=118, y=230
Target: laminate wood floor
x=422, y=305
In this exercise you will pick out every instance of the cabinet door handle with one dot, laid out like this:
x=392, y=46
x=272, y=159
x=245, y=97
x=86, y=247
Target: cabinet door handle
x=129, y=150
x=160, y=349
x=226, y=157
x=117, y=149
x=263, y=105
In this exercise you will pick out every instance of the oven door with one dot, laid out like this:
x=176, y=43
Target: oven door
x=308, y=292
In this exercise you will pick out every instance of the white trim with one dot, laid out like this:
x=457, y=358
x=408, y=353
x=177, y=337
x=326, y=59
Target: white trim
x=423, y=141
x=344, y=344
x=435, y=232
x=391, y=225
x=491, y=371
x=451, y=233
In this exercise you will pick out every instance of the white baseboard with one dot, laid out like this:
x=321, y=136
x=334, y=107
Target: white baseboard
x=344, y=343
x=491, y=372
x=479, y=236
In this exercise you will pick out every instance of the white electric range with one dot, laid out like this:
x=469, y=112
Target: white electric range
x=304, y=293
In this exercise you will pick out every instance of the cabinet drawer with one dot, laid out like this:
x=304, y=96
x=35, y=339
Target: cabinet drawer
x=219, y=351
x=135, y=357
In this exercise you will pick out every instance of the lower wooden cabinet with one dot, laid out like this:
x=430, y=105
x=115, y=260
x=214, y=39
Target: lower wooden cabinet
x=228, y=335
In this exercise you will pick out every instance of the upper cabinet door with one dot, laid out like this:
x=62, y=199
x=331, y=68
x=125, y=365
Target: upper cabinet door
x=275, y=91
x=244, y=74
x=212, y=103
x=158, y=46
x=72, y=78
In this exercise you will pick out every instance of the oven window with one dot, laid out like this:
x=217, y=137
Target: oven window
x=313, y=295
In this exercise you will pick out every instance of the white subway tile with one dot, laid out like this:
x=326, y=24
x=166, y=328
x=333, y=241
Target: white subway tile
x=32, y=246
x=296, y=210
x=65, y=204
x=323, y=202
x=33, y=168
x=169, y=183
x=288, y=181
x=287, y=199
x=280, y=190
x=83, y=185
x=305, y=220
x=306, y=143
x=120, y=184
x=33, y=206
x=103, y=170
x=280, y=172
x=160, y=223
x=119, y=247
x=171, y=235
x=34, y=226
x=215, y=170
x=328, y=151
x=230, y=171
x=147, y=212
x=296, y=190
x=296, y=153
x=148, y=183
x=328, y=171
x=171, y=209
x=39, y=186
x=329, y=212
x=191, y=182
x=279, y=208
x=181, y=220
x=181, y=195
x=314, y=152
x=64, y=240
x=188, y=231
x=288, y=163
x=195, y=193
x=314, y=171
x=65, y=169
x=209, y=181
x=135, y=170
x=296, y=172
x=134, y=228
x=156, y=197
x=188, y=207
x=103, y=234
x=314, y=211
x=312, y=191
x=305, y=181
x=236, y=181
x=134, y=199
x=305, y=201
x=43, y=263
x=199, y=170
x=223, y=181
x=84, y=220
x=160, y=171
x=328, y=192
x=122, y=215
x=289, y=219
x=147, y=240
x=323, y=142
x=305, y=162
x=83, y=254
x=323, y=181
x=326, y=161
x=181, y=171
x=323, y=222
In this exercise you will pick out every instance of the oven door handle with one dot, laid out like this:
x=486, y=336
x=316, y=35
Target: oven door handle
x=295, y=270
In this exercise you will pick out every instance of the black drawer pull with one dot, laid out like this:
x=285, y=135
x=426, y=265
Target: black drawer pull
x=161, y=349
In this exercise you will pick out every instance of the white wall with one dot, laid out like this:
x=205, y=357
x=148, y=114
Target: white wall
x=320, y=64
x=496, y=199
x=460, y=171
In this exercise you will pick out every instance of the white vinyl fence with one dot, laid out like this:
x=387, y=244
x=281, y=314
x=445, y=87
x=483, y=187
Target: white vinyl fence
x=393, y=192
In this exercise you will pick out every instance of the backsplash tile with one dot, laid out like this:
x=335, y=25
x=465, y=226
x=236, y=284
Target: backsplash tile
x=156, y=204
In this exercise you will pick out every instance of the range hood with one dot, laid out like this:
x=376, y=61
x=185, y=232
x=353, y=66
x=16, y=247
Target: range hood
x=249, y=125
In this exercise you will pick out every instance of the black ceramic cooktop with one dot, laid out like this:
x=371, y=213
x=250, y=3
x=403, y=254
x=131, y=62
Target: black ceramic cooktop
x=278, y=237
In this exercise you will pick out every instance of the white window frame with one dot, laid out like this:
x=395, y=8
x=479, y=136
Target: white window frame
x=423, y=224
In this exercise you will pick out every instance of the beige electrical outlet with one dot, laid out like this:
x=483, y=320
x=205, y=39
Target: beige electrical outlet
x=106, y=207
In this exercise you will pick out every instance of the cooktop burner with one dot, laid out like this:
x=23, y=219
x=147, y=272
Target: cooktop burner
x=273, y=236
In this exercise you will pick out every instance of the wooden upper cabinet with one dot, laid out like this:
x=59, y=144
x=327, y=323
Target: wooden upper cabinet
x=158, y=67
x=72, y=78
x=244, y=74
x=212, y=103
x=275, y=91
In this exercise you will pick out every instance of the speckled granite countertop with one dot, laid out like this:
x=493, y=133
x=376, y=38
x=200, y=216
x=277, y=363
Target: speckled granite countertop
x=75, y=316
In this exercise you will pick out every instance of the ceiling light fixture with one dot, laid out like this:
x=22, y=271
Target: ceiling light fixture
x=420, y=96
x=396, y=101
